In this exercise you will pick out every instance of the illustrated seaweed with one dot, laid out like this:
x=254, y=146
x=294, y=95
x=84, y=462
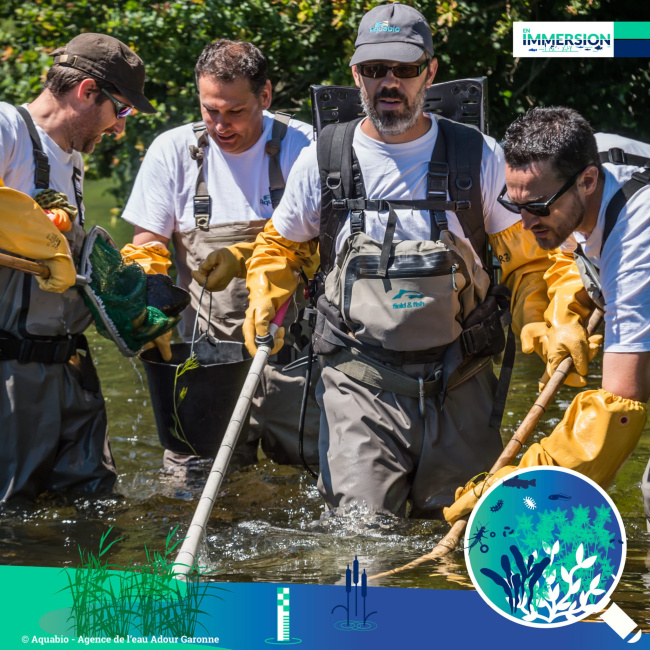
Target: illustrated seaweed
x=561, y=563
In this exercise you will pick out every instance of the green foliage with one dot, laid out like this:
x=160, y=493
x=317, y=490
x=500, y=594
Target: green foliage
x=310, y=42
x=140, y=599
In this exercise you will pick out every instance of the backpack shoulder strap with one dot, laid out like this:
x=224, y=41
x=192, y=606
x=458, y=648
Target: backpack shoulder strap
x=338, y=181
x=618, y=156
x=41, y=163
x=273, y=147
x=464, y=148
x=202, y=201
x=639, y=180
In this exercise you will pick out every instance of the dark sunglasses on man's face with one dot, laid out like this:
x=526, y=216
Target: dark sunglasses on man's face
x=121, y=109
x=537, y=208
x=401, y=71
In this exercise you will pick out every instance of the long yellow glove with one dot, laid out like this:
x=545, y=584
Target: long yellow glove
x=153, y=257
x=26, y=230
x=222, y=265
x=271, y=278
x=561, y=333
x=596, y=436
x=523, y=264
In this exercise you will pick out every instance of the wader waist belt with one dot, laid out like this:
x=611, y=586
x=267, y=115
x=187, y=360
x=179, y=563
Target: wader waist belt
x=32, y=351
x=358, y=366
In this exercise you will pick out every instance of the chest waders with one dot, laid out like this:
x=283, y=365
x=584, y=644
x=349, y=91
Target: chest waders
x=194, y=245
x=589, y=272
x=441, y=304
x=43, y=326
x=228, y=311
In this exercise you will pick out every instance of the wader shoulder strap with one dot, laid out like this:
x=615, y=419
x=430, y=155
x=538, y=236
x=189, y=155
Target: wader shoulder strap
x=41, y=163
x=335, y=162
x=202, y=201
x=273, y=148
x=464, y=154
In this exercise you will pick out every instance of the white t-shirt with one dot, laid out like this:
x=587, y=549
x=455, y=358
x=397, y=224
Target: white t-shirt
x=625, y=261
x=390, y=171
x=17, y=156
x=162, y=200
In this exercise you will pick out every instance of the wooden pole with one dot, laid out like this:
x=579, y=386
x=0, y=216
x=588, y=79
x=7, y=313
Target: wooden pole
x=451, y=540
x=26, y=266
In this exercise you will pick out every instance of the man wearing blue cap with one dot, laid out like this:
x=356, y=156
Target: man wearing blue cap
x=401, y=204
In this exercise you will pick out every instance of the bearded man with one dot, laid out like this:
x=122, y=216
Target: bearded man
x=405, y=403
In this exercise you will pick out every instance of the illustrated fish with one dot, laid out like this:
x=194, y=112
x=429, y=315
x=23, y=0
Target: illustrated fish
x=520, y=483
x=555, y=497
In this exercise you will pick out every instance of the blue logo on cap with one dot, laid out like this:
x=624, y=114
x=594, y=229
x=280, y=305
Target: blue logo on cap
x=383, y=27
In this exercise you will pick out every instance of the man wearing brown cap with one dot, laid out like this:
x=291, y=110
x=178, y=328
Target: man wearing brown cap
x=406, y=402
x=52, y=414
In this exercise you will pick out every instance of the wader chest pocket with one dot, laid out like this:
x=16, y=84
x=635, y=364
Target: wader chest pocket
x=417, y=305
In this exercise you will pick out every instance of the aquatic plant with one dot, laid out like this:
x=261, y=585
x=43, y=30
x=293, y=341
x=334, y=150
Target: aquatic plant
x=567, y=582
x=514, y=584
x=191, y=363
x=145, y=598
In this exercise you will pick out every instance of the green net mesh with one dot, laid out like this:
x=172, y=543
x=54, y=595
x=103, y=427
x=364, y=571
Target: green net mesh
x=120, y=288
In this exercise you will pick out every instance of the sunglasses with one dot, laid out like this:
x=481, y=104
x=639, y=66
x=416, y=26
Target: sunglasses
x=401, y=71
x=539, y=209
x=121, y=109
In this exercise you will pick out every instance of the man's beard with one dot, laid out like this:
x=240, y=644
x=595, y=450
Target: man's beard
x=393, y=122
x=564, y=230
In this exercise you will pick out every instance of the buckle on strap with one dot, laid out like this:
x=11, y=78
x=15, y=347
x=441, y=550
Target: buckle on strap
x=475, y=339
x=276, y=194
x=437, y=179
x=202, y=203
x=617, y=156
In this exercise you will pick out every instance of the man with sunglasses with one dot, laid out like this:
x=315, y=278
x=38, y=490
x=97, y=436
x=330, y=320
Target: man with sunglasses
x=400, y=420
x=52, y=413
x=599, y=213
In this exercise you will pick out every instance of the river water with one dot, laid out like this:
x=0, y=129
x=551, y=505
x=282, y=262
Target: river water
x=268, y=523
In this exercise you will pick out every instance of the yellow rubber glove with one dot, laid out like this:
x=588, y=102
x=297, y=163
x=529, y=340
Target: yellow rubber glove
x=25, y=230
x=272, y=275
x=596, y=436
x=153, y=257
x=222, y=265
x=523, y=264
x=562, y=332
x=538, y=337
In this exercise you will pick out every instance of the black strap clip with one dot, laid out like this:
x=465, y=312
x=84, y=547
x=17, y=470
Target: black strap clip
x=437, y=179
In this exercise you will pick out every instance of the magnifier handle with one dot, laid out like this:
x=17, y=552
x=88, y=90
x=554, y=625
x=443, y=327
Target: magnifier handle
x=619, y=621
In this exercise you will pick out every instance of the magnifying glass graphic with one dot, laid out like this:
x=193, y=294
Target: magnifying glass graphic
x=546, y=547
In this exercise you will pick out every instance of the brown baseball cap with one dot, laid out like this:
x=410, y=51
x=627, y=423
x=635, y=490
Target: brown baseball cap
x=104, y=57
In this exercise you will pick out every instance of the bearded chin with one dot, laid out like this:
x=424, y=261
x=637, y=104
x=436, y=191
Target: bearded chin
x=394, y=122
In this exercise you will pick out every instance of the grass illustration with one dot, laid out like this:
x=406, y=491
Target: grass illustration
x=140, y=599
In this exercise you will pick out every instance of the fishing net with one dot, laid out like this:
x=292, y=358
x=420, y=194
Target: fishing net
x=129, y=307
